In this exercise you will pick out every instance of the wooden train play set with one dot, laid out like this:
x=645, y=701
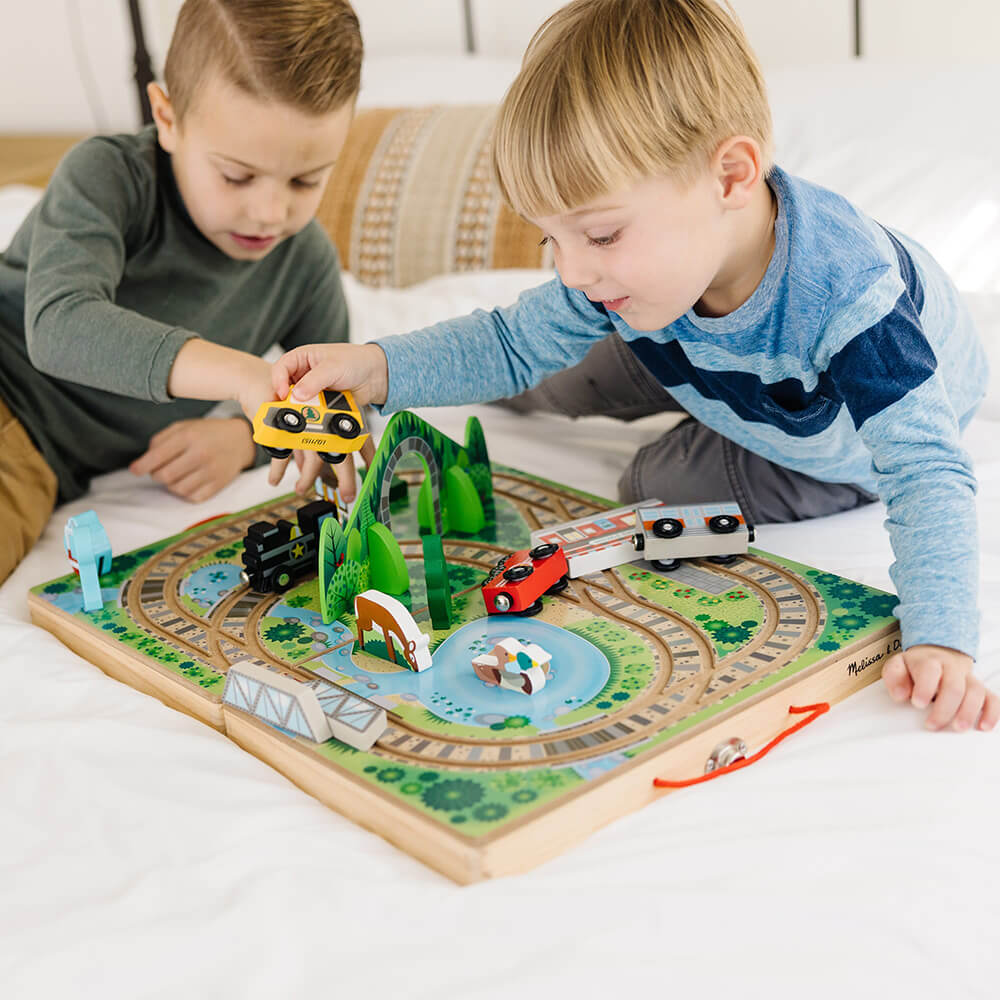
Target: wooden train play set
x=628, y=678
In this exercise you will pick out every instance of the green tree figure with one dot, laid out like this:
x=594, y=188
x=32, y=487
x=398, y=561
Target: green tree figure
x=479, y=459
x=332, y=549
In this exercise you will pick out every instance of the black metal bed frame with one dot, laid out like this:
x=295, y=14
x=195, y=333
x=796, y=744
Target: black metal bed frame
x=144, y=67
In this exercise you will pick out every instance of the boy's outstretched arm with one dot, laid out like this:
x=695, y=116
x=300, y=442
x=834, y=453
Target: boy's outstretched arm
x=889, y=377
x=469, y=359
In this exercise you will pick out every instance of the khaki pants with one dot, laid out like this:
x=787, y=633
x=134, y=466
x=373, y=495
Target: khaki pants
x=28, y=490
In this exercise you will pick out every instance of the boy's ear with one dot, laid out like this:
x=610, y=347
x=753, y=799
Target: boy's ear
x=738, y=168
x=163, y=116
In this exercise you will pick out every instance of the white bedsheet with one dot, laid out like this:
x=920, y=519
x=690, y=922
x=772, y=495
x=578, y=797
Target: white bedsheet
x=143, y=855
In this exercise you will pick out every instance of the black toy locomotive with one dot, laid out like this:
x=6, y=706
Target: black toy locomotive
x=276, y=555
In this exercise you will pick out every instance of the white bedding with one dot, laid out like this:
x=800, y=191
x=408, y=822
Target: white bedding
x=142, y=854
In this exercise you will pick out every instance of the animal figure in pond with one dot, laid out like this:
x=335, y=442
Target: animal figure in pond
x=374, y=609
x=515, y=665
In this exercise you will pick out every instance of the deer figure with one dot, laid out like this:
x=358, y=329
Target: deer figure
x=373, y=608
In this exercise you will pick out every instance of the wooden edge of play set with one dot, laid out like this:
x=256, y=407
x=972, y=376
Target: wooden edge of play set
x=142, y=674
x=541, y=835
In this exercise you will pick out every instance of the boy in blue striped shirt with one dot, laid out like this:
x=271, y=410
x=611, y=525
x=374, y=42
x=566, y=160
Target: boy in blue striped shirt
x=824, y=360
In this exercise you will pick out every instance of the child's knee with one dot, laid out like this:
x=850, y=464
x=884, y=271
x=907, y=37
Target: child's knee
x=694, y=464
x=685, y=465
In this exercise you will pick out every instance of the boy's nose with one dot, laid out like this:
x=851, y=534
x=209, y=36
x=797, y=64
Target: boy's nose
x=269, y=208
x=576, y=271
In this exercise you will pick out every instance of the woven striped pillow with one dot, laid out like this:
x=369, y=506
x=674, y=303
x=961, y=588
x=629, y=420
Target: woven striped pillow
x=412, y=197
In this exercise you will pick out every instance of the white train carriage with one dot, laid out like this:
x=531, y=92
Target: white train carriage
x=666, y=535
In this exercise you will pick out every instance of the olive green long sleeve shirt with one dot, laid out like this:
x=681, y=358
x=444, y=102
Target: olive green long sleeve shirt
x=104, y=282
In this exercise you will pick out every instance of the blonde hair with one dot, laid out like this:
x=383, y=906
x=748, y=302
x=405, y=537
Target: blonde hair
x=305, y=53
x=614, y=90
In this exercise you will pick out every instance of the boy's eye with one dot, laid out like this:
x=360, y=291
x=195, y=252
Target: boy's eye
x=237, y=181
x=604, y=241
x=300, y=183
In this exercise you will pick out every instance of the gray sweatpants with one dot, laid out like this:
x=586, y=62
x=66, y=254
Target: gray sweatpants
x=690, y=463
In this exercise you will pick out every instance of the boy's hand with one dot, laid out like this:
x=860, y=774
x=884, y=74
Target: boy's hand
x=926, y=674
x=342, y=475
x=194, y=459
x=359, y=368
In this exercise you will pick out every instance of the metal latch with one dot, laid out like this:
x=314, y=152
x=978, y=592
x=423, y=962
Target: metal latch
x=725, y=754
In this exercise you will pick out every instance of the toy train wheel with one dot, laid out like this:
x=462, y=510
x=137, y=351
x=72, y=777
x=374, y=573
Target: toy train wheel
x=560, y=585
x=540, y=552
x=277, y=452
x=665, y=565
x=516, y=573
x=345, y=426
x=291, y=420
x=532, y=609
x=331, y=458
x=667, y=527
x=282, y=579
x=503, y=604
x=723, y=524
x=723, y=560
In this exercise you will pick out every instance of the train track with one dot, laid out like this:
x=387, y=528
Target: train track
x=688, y=674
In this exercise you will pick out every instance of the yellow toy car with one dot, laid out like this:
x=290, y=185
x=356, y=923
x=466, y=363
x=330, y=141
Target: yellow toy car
x=329, y=424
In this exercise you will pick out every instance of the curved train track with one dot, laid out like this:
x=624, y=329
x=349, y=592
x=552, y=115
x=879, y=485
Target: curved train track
x=688, y=673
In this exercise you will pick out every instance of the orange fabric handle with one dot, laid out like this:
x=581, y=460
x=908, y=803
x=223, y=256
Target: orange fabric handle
x=817, y=710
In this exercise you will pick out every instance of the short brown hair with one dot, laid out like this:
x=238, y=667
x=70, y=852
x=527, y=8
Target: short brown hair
x=614, y=90
x=306, y=53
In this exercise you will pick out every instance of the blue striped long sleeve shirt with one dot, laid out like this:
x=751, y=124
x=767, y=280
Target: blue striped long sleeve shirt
x=854, y=361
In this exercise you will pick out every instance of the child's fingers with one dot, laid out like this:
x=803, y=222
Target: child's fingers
x=288, y=368
x=951, y=692
x=991, y=711
x=313, y=381
x=346, y=480
x=971, y=706
x=277, y=470
x=309, y=468
x=897, y=679
x=925, y=683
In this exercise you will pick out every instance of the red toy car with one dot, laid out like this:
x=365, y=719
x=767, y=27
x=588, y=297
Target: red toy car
x=516, y=584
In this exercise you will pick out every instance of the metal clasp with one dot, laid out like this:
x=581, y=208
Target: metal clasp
x=725, y=754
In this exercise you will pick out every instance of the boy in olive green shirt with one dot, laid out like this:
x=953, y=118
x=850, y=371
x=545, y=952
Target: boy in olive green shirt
x=157, y=267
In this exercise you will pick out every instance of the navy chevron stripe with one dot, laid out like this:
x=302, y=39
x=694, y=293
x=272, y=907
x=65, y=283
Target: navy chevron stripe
x=872, y=371
x=785, y=404
x=881, y=365
x=908, y=273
